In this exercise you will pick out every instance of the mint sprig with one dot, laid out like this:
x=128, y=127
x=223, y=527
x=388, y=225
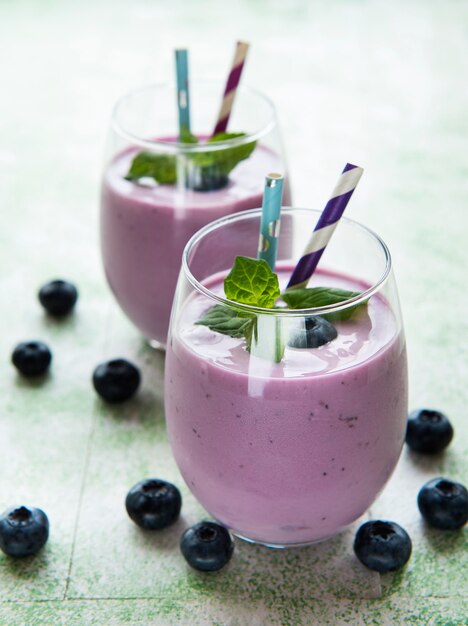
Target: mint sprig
x=206, y=170
x=252, y=282
x=311, y=297
x=224, y=160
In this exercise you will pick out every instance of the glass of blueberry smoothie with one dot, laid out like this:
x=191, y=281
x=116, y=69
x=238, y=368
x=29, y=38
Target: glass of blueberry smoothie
x=157, y=191
x=286, y=416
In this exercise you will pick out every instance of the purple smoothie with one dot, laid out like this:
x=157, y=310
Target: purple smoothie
x=291, y=452
x=144, y=228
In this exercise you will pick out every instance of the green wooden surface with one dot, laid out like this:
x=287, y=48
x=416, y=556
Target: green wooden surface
x=380, y=84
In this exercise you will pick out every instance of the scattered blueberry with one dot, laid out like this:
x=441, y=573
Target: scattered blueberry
x=58, y=297
x=444, y=504
x=23, y=531
x=31, y=358
x=207, y=546
x=117, y=380
x=428, y=431
x=382, y=546
x=316, y=332
x=153, y=503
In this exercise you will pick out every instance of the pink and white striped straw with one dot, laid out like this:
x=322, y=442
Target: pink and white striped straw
x=326, y=225
x=231, y=87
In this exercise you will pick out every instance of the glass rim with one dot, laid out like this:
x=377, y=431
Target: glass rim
x=284, y=312
x=176, y=147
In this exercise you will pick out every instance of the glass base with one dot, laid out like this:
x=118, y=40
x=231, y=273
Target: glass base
x=283, y=546
x=156, y=345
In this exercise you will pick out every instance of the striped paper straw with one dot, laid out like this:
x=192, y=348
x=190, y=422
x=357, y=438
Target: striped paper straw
x=183, y=103
x=231, y=87
x=270, y=223
x=326, y=225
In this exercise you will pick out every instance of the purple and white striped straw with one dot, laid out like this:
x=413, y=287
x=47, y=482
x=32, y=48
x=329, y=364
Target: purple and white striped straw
x=231, y=87
x=326, y=225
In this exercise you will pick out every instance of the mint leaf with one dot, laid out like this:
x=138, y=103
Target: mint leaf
x=227, y=321
x=307, y=298
x=211, y=169
x=185, y=136
x=226, y=160
x=207, y=171
x=160, y=167
x=251, y=281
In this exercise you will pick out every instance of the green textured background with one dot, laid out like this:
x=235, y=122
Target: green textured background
x=382, y=84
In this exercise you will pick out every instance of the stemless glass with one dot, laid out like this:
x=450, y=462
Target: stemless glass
x=145, y=225
x=285, y=444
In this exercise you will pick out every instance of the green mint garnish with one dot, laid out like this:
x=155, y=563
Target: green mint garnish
x=222, y=319
x=307, y=298
x=206, y=170
x=224, y=161
x=251, y=281
x=227, y=321
x=160, y=167
x=186, y=136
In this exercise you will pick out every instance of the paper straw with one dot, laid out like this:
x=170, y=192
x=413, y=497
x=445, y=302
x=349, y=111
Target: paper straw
x=326, y=225
x=270, y=223
x=231, y=87
x=183, y=103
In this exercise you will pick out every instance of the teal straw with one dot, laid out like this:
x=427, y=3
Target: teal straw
x=183, y=103
x=270, y=224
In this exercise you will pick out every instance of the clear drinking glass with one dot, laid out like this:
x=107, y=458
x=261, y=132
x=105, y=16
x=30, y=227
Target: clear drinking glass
x=290, y=452
x=145, y=225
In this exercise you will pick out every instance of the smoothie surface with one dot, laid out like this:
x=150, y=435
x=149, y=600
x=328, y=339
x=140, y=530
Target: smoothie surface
x=361, y=337
x=245, y=181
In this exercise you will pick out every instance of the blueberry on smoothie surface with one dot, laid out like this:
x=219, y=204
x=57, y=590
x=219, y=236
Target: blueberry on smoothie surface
x=58, y=297
x=428, y=431
x=23, y=531
x=443, y=504
x=382, y=546
x=31, y=358
x=207, y=179
x=316, y=332
x=116, y=380
x=207, y=546
x=153, y=503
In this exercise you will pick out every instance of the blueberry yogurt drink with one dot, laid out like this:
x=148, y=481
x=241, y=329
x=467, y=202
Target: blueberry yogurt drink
x=158, y=191
x=286, y=419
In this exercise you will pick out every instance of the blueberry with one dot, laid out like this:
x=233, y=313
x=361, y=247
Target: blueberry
x=117, y=380
x=58, y=297
x=315, y=332
x=207, y=546
x=443, y=503
x=153, y=503
x=208, y=178
x=31, y=358
x=382, y=546
x=23, y=530
x=428, y=431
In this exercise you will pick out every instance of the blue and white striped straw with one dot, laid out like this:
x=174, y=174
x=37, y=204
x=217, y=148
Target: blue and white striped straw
x=183, y=101
x=326, y=225
x=270, y=223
